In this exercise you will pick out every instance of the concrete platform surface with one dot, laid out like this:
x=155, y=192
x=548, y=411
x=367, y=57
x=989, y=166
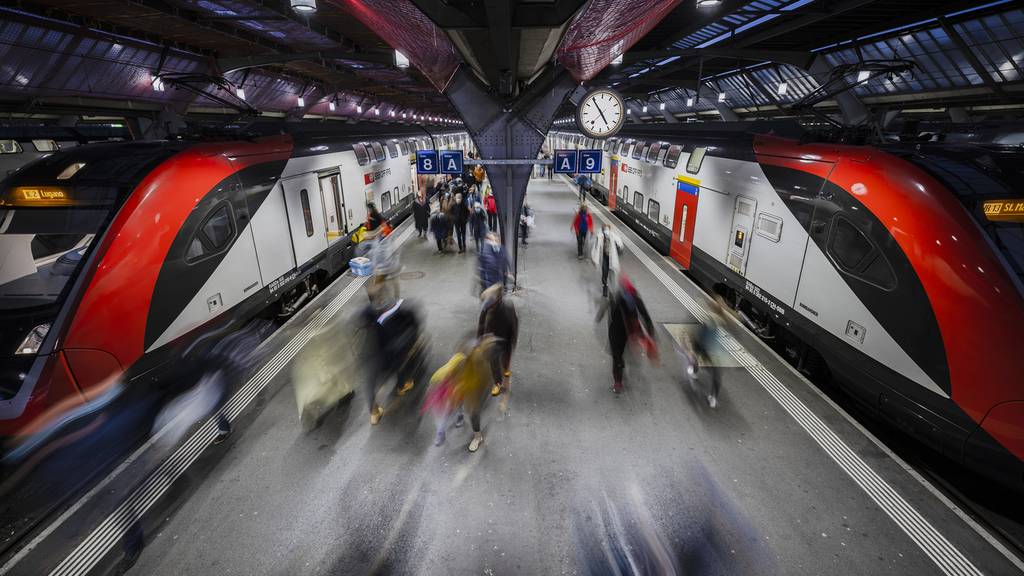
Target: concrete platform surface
x=573, y=475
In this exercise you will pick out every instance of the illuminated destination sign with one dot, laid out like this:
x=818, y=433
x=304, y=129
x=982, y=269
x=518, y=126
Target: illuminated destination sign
x=1010, y=210
x=36, y=196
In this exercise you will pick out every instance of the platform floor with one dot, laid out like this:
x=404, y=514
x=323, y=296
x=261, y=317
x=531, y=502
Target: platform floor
x=756, y=486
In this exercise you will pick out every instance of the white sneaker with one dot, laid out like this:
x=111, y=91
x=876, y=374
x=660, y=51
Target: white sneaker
x=712, y=400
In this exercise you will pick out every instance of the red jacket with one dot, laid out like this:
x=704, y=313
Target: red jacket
x=490, y=205
x=576, y=223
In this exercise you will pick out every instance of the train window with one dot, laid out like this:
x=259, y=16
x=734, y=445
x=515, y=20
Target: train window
x=45, y=145
x=213, y=235
x=696, y=159
x=653, y=210
x=393, y=150
x=609, y=145
x=385, y=202
x=362, y=155
x=9, y=147
x=672, y=158
x=639, y=150
x=856, y=255
x=404, y=147
x=378, y=151
x=661, y=154
x=652, y=154
x=624, y=193
x=769, y=226
x=307, y=214
x=638, y=201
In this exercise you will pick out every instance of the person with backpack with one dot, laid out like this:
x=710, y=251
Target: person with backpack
x=525, y=222
x=460, y=217
x=393, y=346
x=582, y=224
x=628, y=321
x=701, y=344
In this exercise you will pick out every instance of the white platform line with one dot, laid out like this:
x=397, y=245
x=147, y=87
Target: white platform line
x=105, y=536
x=946, y=556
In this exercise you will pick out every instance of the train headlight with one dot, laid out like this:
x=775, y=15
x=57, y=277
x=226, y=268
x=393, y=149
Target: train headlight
x=32, y=342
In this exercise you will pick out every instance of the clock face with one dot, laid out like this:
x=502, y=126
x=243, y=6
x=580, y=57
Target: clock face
x=601, y=113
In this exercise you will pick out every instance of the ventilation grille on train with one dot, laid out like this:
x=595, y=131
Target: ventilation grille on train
x=735, y=261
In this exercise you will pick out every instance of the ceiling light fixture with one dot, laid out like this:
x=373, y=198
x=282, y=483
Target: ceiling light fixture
x=863, y=75
x=304, y=6
x=645, y=109
x=661, y=106
x=240, y=93
x=689, y=102
x=617, y=60
x=359, y=109
x=708, y=3
x=376, y=111
x=721, y=96
x=400, y=60
x=331, y=105
x=783, y=88
x=301, y=102
x=158, y=84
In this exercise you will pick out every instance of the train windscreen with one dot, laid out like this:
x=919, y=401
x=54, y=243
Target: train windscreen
x=978, y=177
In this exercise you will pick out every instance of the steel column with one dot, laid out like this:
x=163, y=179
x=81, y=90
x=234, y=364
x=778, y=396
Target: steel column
x=509, y=129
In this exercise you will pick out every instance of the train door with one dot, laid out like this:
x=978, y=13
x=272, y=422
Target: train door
x=334, y=209
x=305, y=217
x=613, y=182
x=684, y=220
x=739, y=239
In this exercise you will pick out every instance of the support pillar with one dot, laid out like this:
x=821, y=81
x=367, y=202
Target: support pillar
x=504, y=129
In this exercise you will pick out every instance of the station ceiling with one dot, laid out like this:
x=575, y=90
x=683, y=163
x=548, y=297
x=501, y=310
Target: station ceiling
x=102, y=55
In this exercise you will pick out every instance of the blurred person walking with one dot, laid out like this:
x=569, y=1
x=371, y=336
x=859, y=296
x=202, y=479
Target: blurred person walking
x=491, y=205
x=460, y=217
x=628, y=321
x=525, y=222
x=493, y=262
x=605, y=255
x=393, y=346
x=478, y=225
x=461, y=386
x=498, y=318
x=440, y=227
x=700, y=345
x=421, y=215
x=582, y=224
x=384, y=258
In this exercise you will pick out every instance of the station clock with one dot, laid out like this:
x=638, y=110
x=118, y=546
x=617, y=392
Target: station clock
x=601, y=113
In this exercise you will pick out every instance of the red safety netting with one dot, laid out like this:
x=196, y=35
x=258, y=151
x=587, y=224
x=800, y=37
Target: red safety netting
x=404, y=26
x=605, y=29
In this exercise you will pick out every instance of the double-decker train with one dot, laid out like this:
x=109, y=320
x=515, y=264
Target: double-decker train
x=115, y=257
x=898, y=268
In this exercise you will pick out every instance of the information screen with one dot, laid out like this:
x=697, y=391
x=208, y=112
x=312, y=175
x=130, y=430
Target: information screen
x=1008, y=210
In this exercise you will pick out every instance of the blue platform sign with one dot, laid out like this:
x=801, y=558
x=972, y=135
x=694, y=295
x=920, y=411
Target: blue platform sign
x=451, y=162
x=426, y=162
x=565, y=161
x=590, y=162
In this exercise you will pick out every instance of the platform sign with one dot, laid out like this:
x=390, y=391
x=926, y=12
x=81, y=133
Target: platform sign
x=451, y=162
x=565, y=161
x=426, y=162
x=590, y=162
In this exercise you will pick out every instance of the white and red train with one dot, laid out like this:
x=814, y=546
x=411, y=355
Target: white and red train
x=888, y=264
x=115, y=257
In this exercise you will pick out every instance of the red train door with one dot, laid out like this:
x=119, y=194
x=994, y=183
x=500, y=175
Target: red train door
x=613, y=182
x=687, y=194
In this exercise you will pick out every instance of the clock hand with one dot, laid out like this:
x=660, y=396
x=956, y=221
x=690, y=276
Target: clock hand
x=599, y=111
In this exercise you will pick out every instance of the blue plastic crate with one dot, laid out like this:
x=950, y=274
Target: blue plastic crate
x=361, y=266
